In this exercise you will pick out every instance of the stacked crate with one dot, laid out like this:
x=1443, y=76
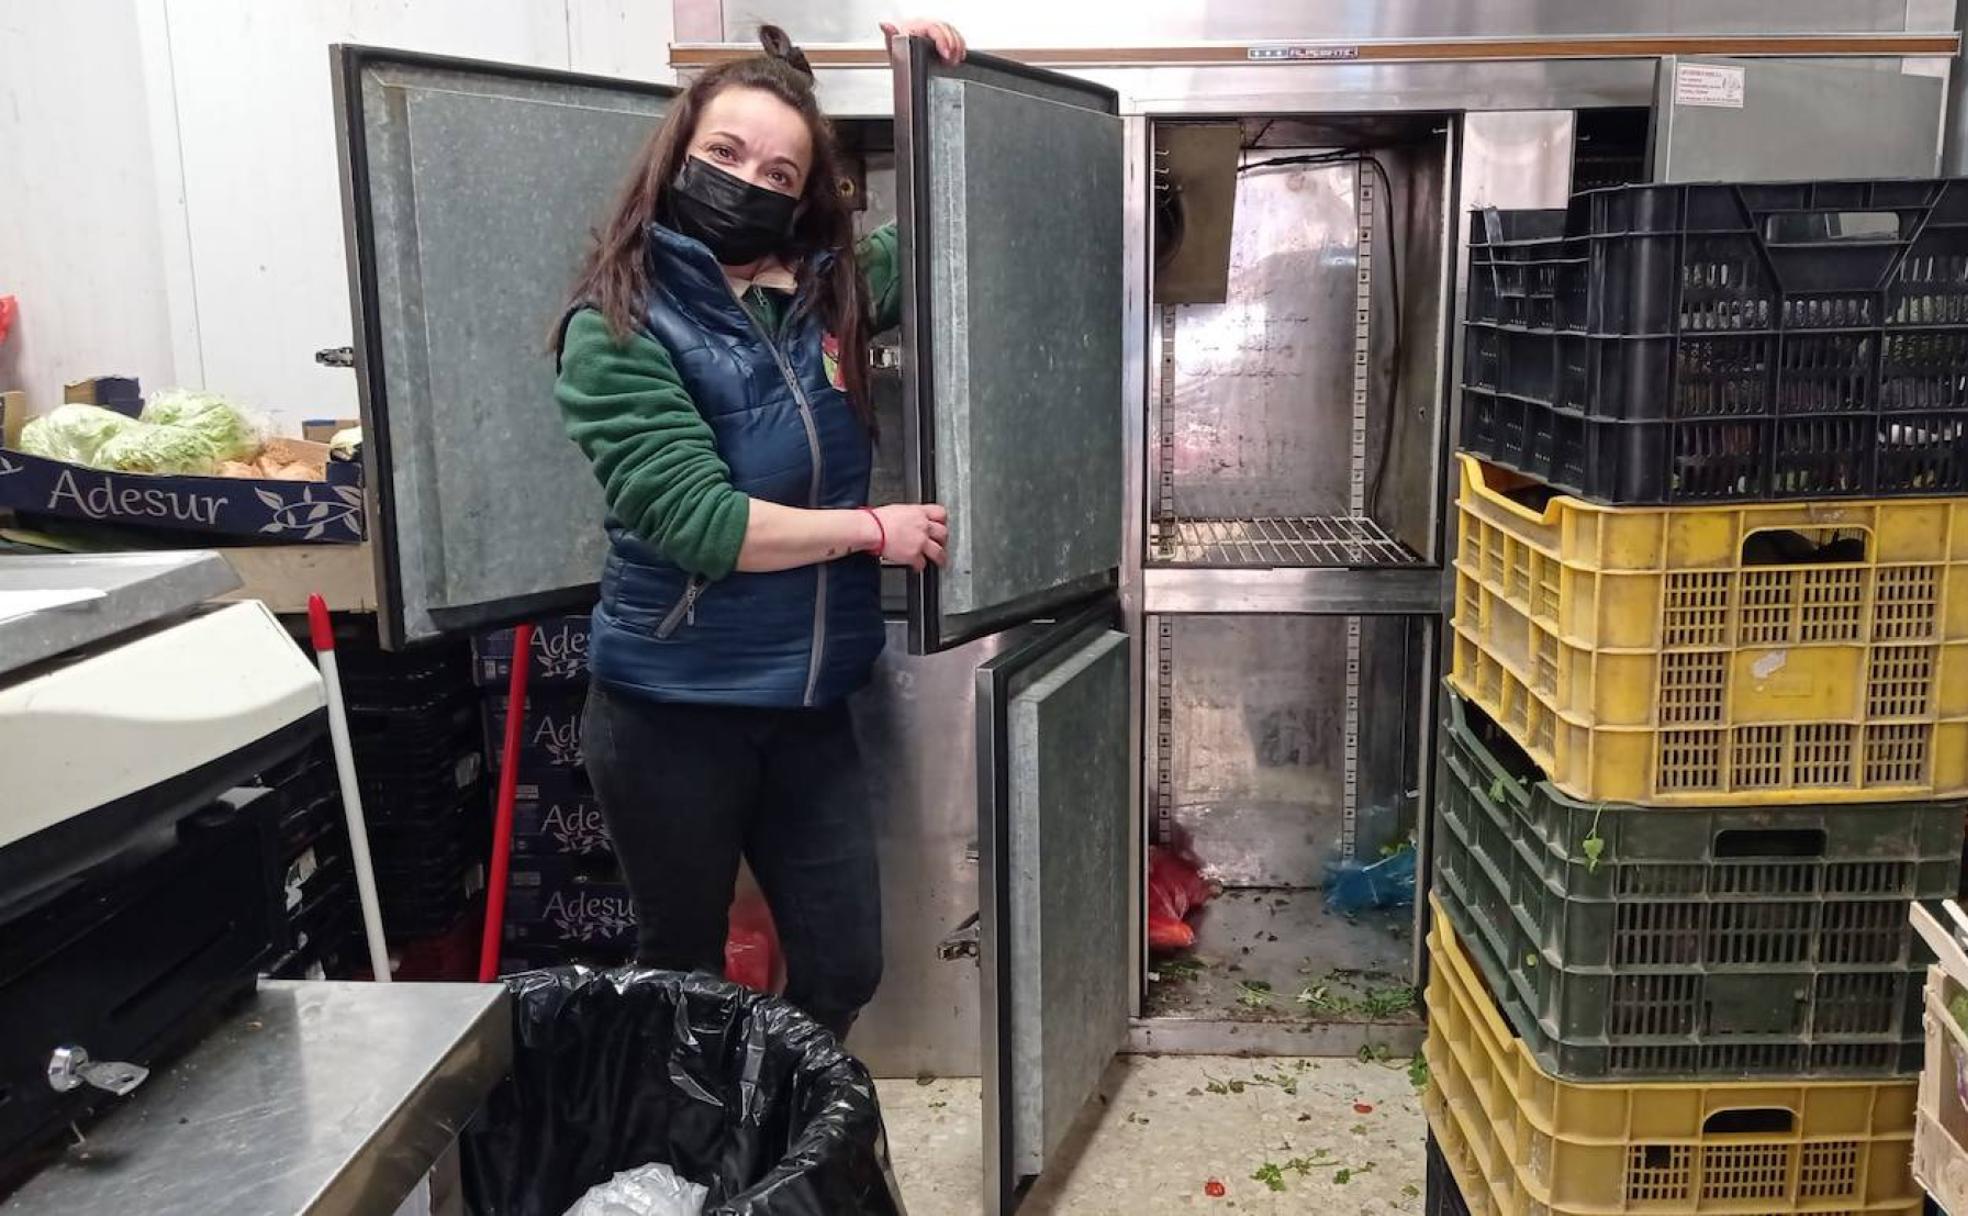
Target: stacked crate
x=420, y=766
x=318, y=885
x=565, y=902
x=1708, y=722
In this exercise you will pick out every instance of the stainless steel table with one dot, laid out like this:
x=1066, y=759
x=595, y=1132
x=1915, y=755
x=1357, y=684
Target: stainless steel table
x=313, y=1097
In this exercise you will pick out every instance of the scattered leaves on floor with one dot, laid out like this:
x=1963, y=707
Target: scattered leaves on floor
x=1178, y=970
x=1410, y=1191
x=1418, y=1071
x=1272, y=1174
x=1281, y=1079
x=1253, y=994
x=1388, y=1002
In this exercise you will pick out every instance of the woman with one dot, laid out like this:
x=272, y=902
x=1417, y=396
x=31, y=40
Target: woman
x=713, y=367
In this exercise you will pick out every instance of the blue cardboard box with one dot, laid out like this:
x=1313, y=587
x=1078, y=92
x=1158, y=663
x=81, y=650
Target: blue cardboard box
x=290, y=512
x=550, y=739
x=550, y=902
x=557, y=816
x=560, y=655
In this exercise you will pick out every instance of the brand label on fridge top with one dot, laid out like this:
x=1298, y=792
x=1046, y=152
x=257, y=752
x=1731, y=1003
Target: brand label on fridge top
x=1708, y=84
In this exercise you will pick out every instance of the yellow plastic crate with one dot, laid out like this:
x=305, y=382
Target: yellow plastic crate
x=1655, y=655
x=1539, y=1145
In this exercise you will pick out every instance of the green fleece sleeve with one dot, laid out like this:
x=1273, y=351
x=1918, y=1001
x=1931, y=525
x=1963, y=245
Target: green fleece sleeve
x=880, y=254
x=655, y=456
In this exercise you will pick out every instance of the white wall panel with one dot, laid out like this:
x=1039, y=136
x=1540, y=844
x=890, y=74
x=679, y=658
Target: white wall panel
x=172, y=202
x=79, y=237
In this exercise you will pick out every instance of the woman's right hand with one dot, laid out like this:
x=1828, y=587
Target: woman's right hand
x=914, y=533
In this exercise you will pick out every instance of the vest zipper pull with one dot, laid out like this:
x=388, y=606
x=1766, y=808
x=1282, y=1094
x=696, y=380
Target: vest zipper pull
x=685, y=610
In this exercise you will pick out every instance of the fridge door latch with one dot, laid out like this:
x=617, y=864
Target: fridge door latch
x=962, y=942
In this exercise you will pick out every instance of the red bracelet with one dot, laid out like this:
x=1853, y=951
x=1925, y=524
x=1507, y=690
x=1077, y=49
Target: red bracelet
x=881, y=546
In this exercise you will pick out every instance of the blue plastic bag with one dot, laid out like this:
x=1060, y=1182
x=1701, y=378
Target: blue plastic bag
x=1388, y=883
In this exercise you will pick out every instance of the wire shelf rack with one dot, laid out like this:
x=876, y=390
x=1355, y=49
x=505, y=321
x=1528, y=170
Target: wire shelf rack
x=1347, y=541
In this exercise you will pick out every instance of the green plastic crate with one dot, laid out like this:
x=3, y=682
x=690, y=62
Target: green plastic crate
x=1643, y=942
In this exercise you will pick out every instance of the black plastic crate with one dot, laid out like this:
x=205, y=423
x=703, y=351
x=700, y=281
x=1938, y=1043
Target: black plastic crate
x=322, y=927
x=301, y=825
x=411, y=728
x=421, y=787
x=1661, y=344
x=443, y=844
x=1442, y=1196
x=1650, y=943
x=427, y=906
x=560, y=655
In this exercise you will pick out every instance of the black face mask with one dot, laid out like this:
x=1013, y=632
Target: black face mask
x=739, y=222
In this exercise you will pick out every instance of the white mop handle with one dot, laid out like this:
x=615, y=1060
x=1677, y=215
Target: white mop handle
x=358, y=828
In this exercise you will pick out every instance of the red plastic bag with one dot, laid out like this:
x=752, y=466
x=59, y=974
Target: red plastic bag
x=9, y=312
x=751, y=949
x=1176, y=887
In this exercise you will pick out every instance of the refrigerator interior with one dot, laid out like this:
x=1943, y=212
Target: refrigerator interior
x=1297, y=422
x=1274, y=765
x=1610, y=147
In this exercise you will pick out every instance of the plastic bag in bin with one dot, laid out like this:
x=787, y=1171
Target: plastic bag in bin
x=650, y=1190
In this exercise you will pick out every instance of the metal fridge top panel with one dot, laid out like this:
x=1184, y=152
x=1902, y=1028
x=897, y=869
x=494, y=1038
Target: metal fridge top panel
x=134, y=590
x=1042, y=23
x=1745, y=120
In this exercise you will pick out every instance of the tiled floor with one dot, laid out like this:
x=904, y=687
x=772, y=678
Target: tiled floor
x=1344, y=1137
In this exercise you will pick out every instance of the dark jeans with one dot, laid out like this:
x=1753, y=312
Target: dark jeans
x=688, y=789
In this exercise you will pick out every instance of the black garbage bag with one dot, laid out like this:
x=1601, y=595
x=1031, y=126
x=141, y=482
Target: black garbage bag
x=730, y=1088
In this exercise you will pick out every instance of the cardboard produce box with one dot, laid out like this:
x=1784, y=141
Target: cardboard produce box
x=290, y=512
x=558, y=816
x=560, y=654
x=550, y=902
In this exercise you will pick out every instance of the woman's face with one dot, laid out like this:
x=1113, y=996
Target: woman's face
x=757, y=138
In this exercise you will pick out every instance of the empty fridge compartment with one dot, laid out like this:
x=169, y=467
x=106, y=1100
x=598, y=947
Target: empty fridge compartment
x=1278, y=746
x=1296, y=422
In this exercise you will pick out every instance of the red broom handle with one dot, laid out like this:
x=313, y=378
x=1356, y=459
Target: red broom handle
x=502, y=822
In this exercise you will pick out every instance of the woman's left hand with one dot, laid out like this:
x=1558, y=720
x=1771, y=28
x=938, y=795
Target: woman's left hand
x=949, y=43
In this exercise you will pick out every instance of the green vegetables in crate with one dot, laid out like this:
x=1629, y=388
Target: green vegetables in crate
x=145, y=448
x=74, y=433
x=235, y=433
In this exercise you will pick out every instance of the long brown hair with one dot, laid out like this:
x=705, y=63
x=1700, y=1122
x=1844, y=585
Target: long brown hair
x=614, y=277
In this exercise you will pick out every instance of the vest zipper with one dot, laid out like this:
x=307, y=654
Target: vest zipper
x=812, y=492
x=684, y=609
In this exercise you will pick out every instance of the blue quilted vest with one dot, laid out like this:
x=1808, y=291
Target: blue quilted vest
x=802, y=637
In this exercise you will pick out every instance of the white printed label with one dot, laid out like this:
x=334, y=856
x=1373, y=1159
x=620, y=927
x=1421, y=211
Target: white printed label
x=1708, y=84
